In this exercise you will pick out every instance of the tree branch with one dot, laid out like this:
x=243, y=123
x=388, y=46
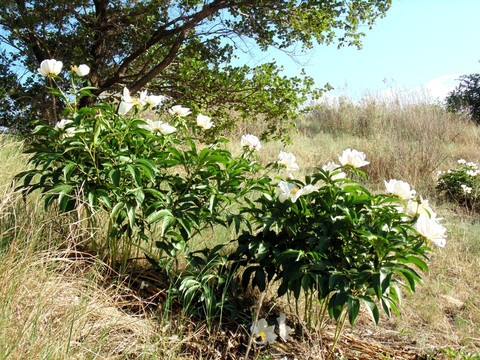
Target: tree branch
x=162, y=33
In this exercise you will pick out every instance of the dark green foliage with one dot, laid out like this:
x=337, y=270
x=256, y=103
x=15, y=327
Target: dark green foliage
x=145, y=180
x=466, y=97
x=342, y=243
x=161, y=183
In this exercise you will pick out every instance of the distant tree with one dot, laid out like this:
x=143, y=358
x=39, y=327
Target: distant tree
x=183, y=48
x=466, y=97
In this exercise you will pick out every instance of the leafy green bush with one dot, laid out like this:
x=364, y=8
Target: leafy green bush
x=466, y=97
x=146, y=175
x=331, y=237
x=461, y=184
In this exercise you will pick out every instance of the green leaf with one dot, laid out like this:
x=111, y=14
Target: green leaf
x=186, y=225
x=131, y=215
x=212, y=203
x=160, y=214
x=103, y=195
x=372, y=308
x=337, y=304
x=306, y=282
x=386, y=306
x=63, y=201
x=259, y=279
x=67, y=171
x=167, y=223
x=135, y=174
x=116, y=209
x=149, y=166
x=114, y=176
x=92, y=198
x=158, y=194
x=353, y=308
x=422, y=265
x=139, y=196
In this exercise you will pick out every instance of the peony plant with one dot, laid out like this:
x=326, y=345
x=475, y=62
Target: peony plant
x=143, y=175
x=330, y=238
x=461, y=184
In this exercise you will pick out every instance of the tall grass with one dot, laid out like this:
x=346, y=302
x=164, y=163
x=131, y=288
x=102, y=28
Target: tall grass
x=407, y=142
x=55, y=302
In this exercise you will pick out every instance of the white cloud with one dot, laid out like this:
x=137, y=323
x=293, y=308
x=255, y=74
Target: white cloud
x=441, y=86
x=433, y=91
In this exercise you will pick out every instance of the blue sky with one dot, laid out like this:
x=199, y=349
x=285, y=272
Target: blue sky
x=420, y=43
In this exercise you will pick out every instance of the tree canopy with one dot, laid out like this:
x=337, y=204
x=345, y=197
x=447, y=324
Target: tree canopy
x=466, y=97
x=183, y=49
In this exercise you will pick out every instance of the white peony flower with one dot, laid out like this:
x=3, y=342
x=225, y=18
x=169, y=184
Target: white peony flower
x=127, y=102
x=158, y=126
x=466, y=189
x=292, y=192
x=289, y=191
x=204, y=121
x=353, y=158
x=288, y=160
x=472, y=165
x=284, y=329
x=152, y=100
x=81, y=70
x=462, y=161
x=50, y=66
x=179, y=110
x=430, y=228
x=308, y=189
x=331, y=167
x=70, y=131
x=261, y=330
x=399, y=188
x=415, y=207
x=62, y=124
x=250, y=141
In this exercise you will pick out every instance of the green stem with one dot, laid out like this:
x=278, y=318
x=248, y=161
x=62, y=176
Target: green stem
x=338, y=331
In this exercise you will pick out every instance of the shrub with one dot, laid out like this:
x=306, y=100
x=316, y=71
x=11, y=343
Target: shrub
x=329, y=237
x=145, y=175
x=466, y=97
x=461, y=184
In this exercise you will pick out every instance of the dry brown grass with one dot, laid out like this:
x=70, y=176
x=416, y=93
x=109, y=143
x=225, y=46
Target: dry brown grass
x=409, y=142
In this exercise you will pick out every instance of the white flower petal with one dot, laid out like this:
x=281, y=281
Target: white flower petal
x=50, y=66
x=284, y=330
x=288, y=160
x=205, y=122
x=82, y=70
x=353, y=158
x=124, y=107
x=250, y=141
x=179, y=110
x=430, y=228
x=399, y=188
